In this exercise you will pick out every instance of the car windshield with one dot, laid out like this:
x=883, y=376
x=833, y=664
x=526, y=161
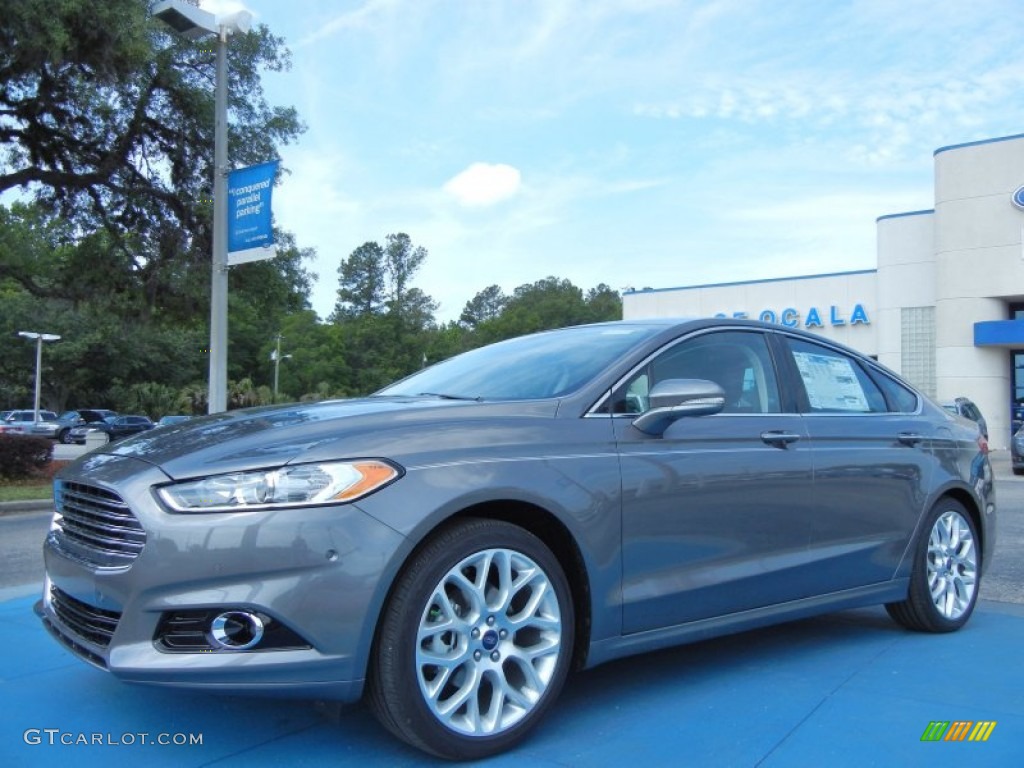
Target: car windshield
x=542, y=365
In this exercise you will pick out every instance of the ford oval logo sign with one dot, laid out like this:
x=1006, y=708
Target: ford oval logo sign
x=1018, y=197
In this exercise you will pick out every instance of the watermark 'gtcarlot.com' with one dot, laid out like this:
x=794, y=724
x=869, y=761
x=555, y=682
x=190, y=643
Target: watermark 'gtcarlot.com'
x=55, y=736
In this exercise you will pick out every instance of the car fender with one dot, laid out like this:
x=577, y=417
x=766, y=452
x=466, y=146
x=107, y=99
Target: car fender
x=581, y=493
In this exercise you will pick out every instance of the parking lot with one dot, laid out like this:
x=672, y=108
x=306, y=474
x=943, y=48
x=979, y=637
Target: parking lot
x=850, y=688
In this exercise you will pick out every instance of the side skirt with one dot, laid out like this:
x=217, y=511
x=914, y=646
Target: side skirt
x=692, y=632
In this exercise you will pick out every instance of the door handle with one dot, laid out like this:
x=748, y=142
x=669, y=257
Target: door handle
x=779, y=438
x=909, y=438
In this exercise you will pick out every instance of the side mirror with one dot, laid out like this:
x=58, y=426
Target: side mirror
x=673, y=399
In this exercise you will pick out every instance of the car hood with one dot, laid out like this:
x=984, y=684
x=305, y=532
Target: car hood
x=272, y=436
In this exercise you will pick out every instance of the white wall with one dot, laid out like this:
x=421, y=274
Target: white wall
x=979, y=268
x=906, y=277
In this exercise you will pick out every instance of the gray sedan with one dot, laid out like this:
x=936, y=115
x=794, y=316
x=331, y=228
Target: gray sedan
x=450, y=547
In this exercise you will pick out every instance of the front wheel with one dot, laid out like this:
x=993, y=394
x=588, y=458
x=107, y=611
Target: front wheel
x=474, y=643
x=65, y=436
x=947, y=572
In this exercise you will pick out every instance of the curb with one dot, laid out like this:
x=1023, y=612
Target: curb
x=29, y=505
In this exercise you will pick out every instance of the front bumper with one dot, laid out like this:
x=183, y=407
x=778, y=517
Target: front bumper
x=316, y=571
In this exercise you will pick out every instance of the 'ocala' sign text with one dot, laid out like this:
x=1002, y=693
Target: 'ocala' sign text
x=791, y=318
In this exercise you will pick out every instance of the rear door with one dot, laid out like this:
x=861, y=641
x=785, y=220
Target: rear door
x=872, y=464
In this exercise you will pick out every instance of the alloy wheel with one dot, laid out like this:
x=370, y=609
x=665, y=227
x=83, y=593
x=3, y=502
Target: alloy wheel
x=952, y=565
x=488, y=642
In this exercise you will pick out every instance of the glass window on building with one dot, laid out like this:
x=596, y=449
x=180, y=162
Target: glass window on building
x=1017, y=416
x=918, y=348
x=1017, y=364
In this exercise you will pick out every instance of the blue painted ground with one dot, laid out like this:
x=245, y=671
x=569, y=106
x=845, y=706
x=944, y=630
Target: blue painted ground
x=849, y=689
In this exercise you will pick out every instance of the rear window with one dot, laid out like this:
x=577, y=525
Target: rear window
x=835, y=383
x=900, y=398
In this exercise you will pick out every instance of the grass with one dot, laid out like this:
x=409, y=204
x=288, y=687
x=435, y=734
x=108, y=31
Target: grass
x=30, y=489
x=25, y=490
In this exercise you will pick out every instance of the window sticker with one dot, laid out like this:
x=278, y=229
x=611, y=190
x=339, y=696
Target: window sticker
x=831, y=383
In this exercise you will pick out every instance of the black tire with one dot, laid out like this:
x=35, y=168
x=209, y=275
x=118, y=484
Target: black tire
x=951, y=565
x=1018, y=470
x=65, y=436
x=458, y=572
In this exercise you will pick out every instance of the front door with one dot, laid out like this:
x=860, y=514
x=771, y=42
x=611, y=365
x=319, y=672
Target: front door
x=716, y=511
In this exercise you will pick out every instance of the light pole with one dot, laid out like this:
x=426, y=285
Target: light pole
x=40, y=338
x=191, y=22
x=276, y=357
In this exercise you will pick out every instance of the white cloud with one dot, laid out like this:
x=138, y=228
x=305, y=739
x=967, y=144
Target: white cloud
x=361, y=18
x=830, y=111
x=484, y=184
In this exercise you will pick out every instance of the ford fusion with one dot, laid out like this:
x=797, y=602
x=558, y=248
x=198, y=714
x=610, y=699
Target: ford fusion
x=449, y=548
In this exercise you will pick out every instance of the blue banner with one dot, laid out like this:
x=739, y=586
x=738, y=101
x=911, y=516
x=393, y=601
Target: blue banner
x=249, y=218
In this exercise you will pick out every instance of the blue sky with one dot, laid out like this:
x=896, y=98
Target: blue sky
x=632, y=142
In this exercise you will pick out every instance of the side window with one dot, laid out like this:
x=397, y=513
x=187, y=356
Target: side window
x=738, y=361
x=834, y=382
x=900, y=399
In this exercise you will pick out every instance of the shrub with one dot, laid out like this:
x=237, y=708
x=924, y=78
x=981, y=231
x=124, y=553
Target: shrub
x=23, y=456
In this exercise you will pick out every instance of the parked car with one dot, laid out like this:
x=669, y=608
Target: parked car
x=963, y=406
x=71, y=419
x=172, y=419
x=24, y=422
x=1017, y=452
x=113, y=428
x=450, y=547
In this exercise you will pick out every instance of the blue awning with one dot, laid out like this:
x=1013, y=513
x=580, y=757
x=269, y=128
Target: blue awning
x=999, y=333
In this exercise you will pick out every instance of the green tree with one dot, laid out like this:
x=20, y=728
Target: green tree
x=106, y=124
x=410, y=306
x=549, y=303
x=152, y=398
x=383, y=324
x=486, y=305
x=361, y=283
x=107, y=117
x=603, y=303
x=316, y=356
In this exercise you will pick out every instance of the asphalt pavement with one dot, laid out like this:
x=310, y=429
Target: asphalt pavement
x=847, y=689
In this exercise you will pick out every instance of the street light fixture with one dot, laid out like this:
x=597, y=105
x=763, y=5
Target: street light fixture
x=193, y=23
x=275, y=355
x=40, y=338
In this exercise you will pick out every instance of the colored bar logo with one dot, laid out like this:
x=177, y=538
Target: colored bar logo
x=958, y=730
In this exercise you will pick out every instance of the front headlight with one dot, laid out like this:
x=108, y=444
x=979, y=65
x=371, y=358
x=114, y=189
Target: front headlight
x=300, y=485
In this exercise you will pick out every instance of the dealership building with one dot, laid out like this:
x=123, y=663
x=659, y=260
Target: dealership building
x=945, y=305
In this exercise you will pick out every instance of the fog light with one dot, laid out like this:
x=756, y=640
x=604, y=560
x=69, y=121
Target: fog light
x=237, y=630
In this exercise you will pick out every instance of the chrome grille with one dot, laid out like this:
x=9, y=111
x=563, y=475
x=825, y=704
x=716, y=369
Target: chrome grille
x=93, y=624
x=95, y=526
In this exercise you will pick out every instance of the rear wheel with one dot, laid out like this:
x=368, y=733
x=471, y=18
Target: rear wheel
x=475, y=641
x=947, y=572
